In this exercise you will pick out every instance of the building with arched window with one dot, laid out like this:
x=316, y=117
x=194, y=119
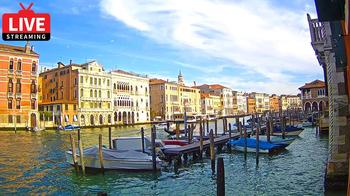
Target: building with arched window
x=19, y=86
x=313, y=96
x=130, y=96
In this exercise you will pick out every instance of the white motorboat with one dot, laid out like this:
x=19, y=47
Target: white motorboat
x=287, y=133
x=162, y=126
x=114, y=159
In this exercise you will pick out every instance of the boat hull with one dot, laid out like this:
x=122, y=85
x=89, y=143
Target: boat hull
x=241, y=149
x=288, y=133
x=116, y=164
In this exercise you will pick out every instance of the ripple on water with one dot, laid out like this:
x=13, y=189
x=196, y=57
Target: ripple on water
x=35, y=163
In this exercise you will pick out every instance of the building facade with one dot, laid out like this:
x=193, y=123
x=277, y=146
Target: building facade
x=262, y=101
x=313, y=96
x=274, y=103
x=251, y=104
x=18, y=86
x=242, y=107
x=210, y=104
x=294, y=102
x=170, y=100
x=225, y=94
x=130, y=96
x=331, y=43
x=58, y=95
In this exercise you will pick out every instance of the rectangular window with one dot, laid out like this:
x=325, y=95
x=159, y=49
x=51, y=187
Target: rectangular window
x=75, y=107
x=18, y=104
x=33, y=104
x=76, y=81
x=9, y=104
x=66, y=107
x=81, y=79
x=18, y=119
x=10, y=119
x=18, y=86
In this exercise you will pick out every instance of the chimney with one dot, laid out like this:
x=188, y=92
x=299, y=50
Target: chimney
x=194, y=83
x=27, y=48
x=70, y=62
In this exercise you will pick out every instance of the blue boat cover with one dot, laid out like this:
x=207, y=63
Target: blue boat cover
x=251, y=143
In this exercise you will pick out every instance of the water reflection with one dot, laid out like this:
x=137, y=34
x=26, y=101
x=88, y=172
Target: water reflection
x=35, y=163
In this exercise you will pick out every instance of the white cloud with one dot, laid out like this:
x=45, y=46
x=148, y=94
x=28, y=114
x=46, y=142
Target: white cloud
x=268, y=40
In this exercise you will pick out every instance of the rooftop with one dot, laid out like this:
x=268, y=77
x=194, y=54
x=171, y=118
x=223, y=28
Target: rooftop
x=313, y=84
x=15, y=49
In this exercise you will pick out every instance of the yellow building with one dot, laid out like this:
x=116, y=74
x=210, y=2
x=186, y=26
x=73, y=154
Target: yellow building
x=95, y=95
x=210, y=104
x=75, y=94
x=169, y=100
x=283, y=102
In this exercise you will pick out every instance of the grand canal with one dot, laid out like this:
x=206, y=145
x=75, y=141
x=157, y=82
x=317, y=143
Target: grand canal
x=35, y=163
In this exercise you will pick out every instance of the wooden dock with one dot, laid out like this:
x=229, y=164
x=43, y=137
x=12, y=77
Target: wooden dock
x=219, y=141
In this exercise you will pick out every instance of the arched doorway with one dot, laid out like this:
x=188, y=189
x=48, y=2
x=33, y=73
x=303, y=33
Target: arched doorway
x=125, y=116
x=92, y=120
x=33, y=120
x=133, y=118
x=307, y=107
x=314, y=106
x=101, y=119
x=321, y=106
x=115, y=117
x=129, y=118
x=82, y=119
x=109, y=118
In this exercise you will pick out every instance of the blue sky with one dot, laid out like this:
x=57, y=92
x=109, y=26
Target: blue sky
x=248, y=45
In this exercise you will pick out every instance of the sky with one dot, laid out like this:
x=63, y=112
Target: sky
x=247, y=45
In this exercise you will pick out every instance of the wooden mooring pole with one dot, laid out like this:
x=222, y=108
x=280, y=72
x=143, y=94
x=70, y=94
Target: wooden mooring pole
x=110, y=137
x=230, y=136
x=245, y=143
x=100, y=154
x=153, y=144
x=74, y=155
x=257, y=142
x=81, y=155
x=212, y=150
x=200, y=139
x=79, y=134
x=216, y=127
x=220, y=178
x=268, y=130
x=143, y=140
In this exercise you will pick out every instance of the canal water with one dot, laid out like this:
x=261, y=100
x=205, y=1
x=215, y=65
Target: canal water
x=34, y=163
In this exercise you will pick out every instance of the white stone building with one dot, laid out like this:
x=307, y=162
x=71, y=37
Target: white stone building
x=130, y=97
x=242, y=103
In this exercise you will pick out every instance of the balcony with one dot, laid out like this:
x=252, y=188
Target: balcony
x=10, y=94
x=33, y=95
x=10, y=72
x=19, y=73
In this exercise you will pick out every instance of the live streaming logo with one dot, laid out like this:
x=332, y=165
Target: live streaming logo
x=25, y=25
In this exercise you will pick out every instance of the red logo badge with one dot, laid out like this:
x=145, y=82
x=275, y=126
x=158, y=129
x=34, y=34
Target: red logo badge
x=25, y=25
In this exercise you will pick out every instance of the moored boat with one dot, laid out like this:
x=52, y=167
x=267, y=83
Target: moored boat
x=289, y=131
x=264, y=147
x=275, y=139
x=126, y=154
x=162, y=126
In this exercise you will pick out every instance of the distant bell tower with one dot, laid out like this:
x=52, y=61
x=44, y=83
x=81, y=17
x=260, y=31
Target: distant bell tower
x=180, y=79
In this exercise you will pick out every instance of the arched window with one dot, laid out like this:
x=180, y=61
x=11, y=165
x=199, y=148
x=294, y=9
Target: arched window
x=99, y=93
x=114, y=86
x=19, y=65
x=34, y=66
x=95, y=93
x=81, y=92
x=109, y=118
x=10, y=86
x=11, y=64
x=91, y=93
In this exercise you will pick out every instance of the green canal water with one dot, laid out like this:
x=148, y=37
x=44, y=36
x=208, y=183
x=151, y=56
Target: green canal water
x=34, y=163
